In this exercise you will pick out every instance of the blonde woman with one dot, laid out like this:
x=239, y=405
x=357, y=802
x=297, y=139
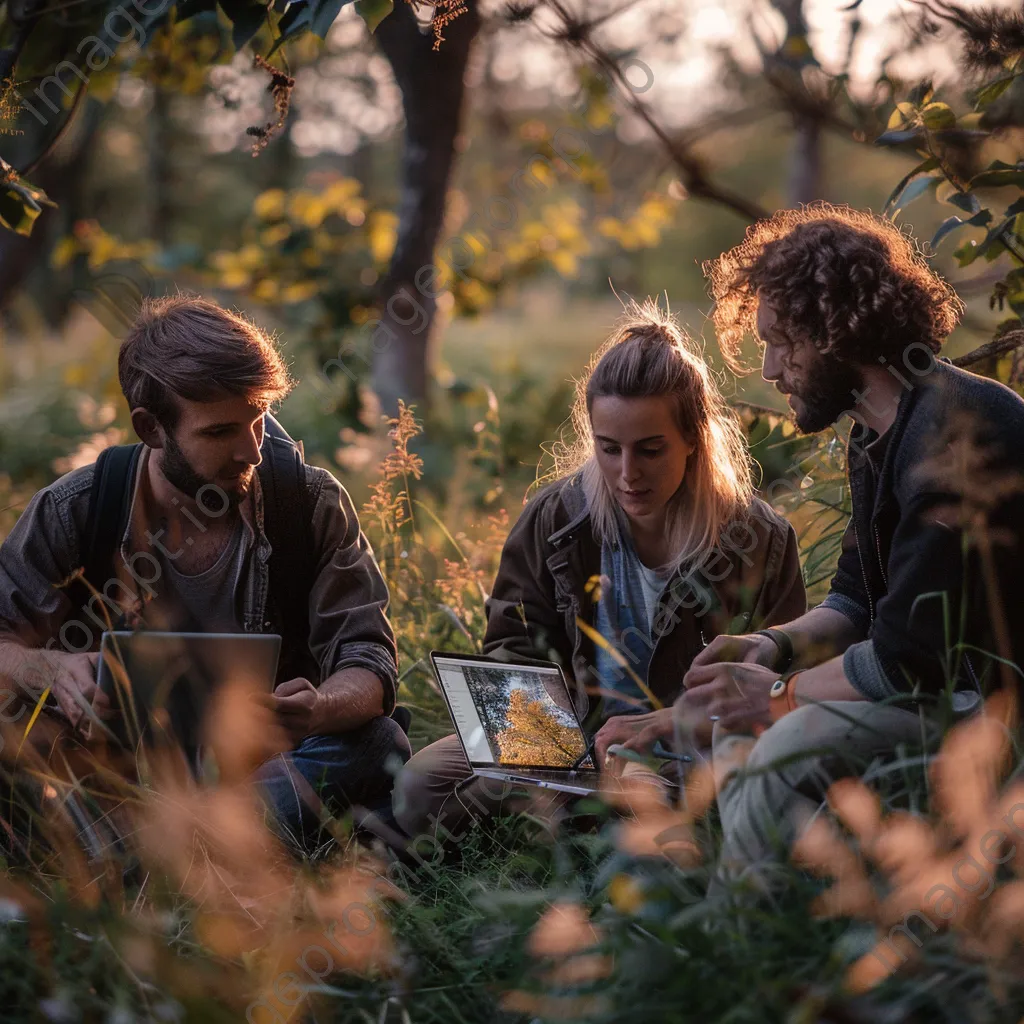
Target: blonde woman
x=647, y=545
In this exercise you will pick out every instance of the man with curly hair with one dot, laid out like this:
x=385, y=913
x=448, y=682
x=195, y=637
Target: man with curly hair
x=923, y=616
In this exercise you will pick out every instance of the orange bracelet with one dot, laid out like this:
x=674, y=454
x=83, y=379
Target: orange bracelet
x=782, y=705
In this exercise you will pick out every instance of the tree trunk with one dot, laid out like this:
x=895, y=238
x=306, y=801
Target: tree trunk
x=805, y=165
x=804, y=183
x=161, y=131
x=432, y=86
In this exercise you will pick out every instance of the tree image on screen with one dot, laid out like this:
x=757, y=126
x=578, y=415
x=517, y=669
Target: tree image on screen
x=535, y=736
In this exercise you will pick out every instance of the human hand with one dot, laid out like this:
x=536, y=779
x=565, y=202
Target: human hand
x=73, y=684
x=295, y=703
x=747, y=649
x=635, y=732
x=732, y=693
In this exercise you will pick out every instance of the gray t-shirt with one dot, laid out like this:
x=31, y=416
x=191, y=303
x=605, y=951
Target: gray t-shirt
x=211, y=599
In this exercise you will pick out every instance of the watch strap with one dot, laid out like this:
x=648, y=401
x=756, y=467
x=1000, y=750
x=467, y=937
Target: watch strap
x=782, y=640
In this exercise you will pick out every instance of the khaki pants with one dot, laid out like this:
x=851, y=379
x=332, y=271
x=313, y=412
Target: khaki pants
x=770, y=788
x=436, y=793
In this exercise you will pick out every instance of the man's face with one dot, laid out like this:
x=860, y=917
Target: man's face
x=214, y=443
x=819, y=386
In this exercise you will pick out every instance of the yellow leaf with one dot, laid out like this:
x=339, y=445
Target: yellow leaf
x=313, y=213
x=382, y=235
x=564, y=262
x=269, y=205
x=62, y=253
x=234, y=278
x=904, y=113
x=938, y=116
x=276, y=233
x=250, y=257
x=338, y=193
x=266, y=290
x=299, y=291
x=625, y=894
x=298, y=202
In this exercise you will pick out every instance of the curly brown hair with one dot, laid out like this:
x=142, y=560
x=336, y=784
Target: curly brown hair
x=852, y=282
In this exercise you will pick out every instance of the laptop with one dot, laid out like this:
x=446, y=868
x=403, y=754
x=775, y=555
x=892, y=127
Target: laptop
x=516, y=722
x=172, y=676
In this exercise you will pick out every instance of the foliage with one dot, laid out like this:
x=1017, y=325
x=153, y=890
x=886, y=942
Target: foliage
x=536, y=736
x=958, y=168
x=19, y=201
x=599, y=915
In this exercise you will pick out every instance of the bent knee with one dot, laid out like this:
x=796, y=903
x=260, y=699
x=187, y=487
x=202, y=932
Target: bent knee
x=425, y=783
x=812, y=728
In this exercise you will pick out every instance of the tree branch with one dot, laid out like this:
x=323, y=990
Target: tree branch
x=61, y=132
x=691, y=171
x=1000, y=346
x=9, y=55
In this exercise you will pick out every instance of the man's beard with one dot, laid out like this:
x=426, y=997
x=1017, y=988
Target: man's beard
x=178, y=471
x=827, y=393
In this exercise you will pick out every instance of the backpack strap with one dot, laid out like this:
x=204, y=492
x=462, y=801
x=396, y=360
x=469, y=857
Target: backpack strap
x=287, y=522
x=109, y=504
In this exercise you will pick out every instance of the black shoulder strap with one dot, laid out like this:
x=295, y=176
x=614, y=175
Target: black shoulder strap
x=109, y=502
x=287, y=522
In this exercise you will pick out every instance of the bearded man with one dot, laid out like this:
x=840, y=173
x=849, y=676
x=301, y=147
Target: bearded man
x=923, y=617
x=194, y=553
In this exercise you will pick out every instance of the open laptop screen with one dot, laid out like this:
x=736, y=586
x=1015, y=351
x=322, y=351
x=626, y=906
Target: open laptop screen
x=508, y=714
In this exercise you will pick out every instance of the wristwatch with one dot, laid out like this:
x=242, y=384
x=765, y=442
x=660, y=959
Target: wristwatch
x=782, y=697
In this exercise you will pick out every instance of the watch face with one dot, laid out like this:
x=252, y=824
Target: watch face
x=778, y=688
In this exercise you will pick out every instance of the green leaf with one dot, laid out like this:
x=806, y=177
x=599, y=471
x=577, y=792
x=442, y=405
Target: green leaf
x=373, y=12
x=914, y=190
x=979, y=220
x=293, y=23
x=324, y=13
x=993, y=91
x=247, y=18
x=999, y=178
x=967, y=253
x=896, y=138
x=20, y=201
x=966, y=201
x=994, y=250
x=937, y=116
x=927, y=165
x=15, y=214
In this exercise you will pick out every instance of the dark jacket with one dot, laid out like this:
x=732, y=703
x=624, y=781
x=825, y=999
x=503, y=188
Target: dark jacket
x=753, y=580
x=909, y=573
x=347, y=605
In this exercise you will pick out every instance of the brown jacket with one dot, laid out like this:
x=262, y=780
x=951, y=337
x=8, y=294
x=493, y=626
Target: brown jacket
x=751, y=581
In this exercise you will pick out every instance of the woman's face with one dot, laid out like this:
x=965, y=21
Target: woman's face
x=641, y=452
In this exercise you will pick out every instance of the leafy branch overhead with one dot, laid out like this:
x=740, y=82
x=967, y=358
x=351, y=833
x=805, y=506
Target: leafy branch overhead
x=39, y=46
x=954, y=146
x=20, y=202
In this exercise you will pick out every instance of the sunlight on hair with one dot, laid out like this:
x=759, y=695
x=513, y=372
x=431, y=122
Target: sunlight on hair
x=649, y=354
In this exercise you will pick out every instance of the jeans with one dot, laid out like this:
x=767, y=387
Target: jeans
x=344, y=771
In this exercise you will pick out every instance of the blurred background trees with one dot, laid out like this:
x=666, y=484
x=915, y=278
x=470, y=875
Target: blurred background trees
x=444, y=221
